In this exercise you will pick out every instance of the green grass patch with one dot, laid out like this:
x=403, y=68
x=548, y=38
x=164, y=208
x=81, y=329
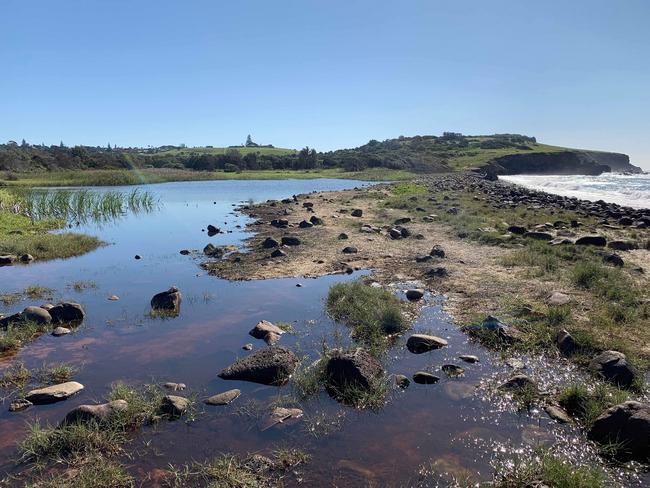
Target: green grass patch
x=588, y=403
x=372, y=313
x=15, y=336
x=545, y=468
x=49, y=246
x=91, y=472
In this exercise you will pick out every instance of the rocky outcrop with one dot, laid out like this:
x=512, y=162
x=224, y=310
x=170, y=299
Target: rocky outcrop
x=560, y=163
x=97, y=413
x=269, y=366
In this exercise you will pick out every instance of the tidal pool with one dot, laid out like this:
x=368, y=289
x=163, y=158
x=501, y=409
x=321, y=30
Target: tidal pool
x=454, y=428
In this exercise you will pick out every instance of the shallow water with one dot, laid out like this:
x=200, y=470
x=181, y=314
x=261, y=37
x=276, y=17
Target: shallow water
x=629, y=190
x=455, y=427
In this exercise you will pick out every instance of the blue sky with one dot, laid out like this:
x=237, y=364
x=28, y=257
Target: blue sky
x=327, y=74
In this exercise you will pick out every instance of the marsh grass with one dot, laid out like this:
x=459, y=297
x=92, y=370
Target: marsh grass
x=82, y=285
x=81, y=206
x=373, y=398
x=15, y=336
x=96, y=471
x=588, y=403
x=45, y=246
x=372, y=313
x=542, y=467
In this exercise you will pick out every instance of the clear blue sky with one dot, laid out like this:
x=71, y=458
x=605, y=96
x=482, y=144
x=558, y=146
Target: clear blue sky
x=327, y=74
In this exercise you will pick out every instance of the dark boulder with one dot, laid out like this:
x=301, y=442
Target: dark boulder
x=419, y=343
x=437, y=252
x=357, y=212
x=414, y=293
x=517, y=229
x=424, y=378
x=269, y=366
x=270, y=243
x=540, y=236
x=566, y=343
x=343, y=236
x=591, y=241
x=438, y=272
x=627, y=427
x=305, y=225
x=278, y=253
x=356, y=368
x=316, y=220
x=66, y=312
x=290, y=241
x=622, y=245
x=350, y=250
x=168, y=301
x=613, y=367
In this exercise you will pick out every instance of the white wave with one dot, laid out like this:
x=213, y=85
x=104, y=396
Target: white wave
x=629, y=190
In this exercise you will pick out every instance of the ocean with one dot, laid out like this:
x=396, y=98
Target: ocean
x=630, y=190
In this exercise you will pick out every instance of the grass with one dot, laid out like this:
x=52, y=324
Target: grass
x=15, y=336
x=372, y=313
x=588, y=403
x=49, y=246
x=82, y=285
x=32, y=292
x=545, y=468
x=98, y=471
x=151, y=176
x=229, y=471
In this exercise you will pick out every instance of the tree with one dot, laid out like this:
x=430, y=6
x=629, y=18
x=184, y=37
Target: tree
x=249, y=141
x=24, y=143
x=61, y=144
x=108, y=147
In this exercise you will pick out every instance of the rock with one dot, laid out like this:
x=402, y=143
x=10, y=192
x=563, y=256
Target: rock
x=350, y=250
x=174, y=386
x=305, y=225
x=518, y=382
x=269, y=366
x=613, y=259
x=452, y=370
x=356, y=368
x=423, y=259
x=174, y=406
x=212, y=230
x=342, y=236
x=26, y=258
x=59, y=331
x=565, y=343
x=54, y=393
x=622, y=245
x=223, y=398
x=7, y=259
x=270, y=243
x=184, y=252
x=280, y=223
x=626, y=426
x=266, y=330
x=613, y=367
x=517, y=229
x=316, y=220
x=66, y=312
x=137, y=256
x=414, y=293
x=468, y=358
x=558, y=414
x=395, y=233
x=113, y=298
x=424, y=378
x=558, y=299
x=505, y=333
x=280, y=415
x=247, y=347
x=402, y=221
x=437, y=252
x=167, y=301
x=20, y=404
x=419, y=343
x=290, y=241
x=97, y=413
x=515, y=363
x=402, y=381
x=438, y=272
x=278, y=253
x=37, y=315
x=357, y=212
x=591, y=241
x=540, y=236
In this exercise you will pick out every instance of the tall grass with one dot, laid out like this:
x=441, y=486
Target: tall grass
x=81, y=206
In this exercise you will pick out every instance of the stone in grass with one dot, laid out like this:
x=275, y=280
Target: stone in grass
x=613, y=367
x=97, y=413
x=224, y=398
x=566, y=343
x=356, y=368
x=626, y=426
x=66, y=312
x=518, y=382
x=350, y=250
x=593, y=240
x=290, y=241
x=558, y=299
x=37, y=315
x=54, y=393
x=281, y=416
x=419, y=343
x=424, y=378
x=278, y=253
x=357, y=212
x=557, y=413
x=452, y=370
